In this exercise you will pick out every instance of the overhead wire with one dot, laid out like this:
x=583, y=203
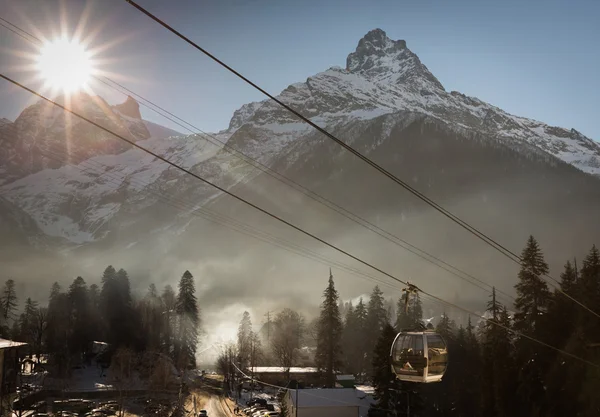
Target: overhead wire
x=288, y=223
x=90, y=166
x=409, y=247
x=471, y=229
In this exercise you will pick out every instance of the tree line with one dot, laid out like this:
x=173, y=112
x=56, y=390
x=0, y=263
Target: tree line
x=495, y=369
x=166, y=324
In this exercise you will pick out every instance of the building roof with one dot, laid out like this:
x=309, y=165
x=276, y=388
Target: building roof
x=326, y=397
x=5, y=343
x=278, y=369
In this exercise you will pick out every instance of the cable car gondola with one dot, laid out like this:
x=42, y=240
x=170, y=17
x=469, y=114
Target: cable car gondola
x=419, y=356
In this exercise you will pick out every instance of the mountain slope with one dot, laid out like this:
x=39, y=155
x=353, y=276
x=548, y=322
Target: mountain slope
x=383, y=76
x=509, y=176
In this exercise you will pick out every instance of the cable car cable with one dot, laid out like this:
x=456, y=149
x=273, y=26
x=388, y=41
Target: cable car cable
x=432, y=259
x=482, y=236
x=237, y=226
x=515, y=332
x=289, y=224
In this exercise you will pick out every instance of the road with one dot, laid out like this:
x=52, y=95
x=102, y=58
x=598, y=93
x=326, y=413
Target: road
x=208, y=401
x=216, y=408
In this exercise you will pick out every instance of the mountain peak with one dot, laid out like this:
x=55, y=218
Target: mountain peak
x=129, y=108
x=381, y=58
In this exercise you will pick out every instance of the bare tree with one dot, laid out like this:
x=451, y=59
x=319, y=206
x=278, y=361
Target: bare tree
x=163, y=371
x=289, y=327
x=39, y=328
x=121, y=371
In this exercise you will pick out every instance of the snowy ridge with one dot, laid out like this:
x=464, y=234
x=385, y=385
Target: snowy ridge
x=98, y=185
x=75, y=201
x=383, y=76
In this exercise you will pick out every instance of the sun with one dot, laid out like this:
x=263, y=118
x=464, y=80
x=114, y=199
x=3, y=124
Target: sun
x=65, y=65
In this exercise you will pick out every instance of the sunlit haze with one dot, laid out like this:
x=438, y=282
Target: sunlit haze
x=65, y=65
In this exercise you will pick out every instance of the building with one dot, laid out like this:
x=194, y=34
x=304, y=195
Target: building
x=277, y=375
x=9, y=371
x=332, y=402
x=345, y=381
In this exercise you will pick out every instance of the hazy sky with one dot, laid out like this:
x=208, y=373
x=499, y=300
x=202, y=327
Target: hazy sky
x=538, y=59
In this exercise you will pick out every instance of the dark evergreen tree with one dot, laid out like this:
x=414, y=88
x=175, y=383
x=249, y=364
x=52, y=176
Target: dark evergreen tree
x=57, y=334
x=27, y=324
x=349, y=331
x=80, y=338
x=329, y=350
x=188, y=322
x=117, y=308
x=411, y=317
x=533, y=299
x=375, y=321
x=8, y=301
x=446, y=327
x=94, y=298
x=169, y=302
x=384, y=381
x=586, y=339
x=532, y=291
x=361, y=344
x=498, y=378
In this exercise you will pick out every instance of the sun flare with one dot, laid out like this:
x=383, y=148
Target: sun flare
x=65, y=65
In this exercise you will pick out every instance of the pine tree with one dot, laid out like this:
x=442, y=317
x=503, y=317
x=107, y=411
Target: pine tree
x=532, y=291
x=533, y=299
x=348, y=338
x=589, y=292
x=497, y=358
x=328, y=355
x=94, y=297
x=57, y=334
x=375, y=321
x=80, y=338
x=169, y=302
x=361, y=344
x=384, y=380
x=245, y=340
x=119, y=317
x=587, y=333
x=8, y=301
x=446, y=327
x=411, y=317
x=188, y=318
x=27, y=323
x=152, y=291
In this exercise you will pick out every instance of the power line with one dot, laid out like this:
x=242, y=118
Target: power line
x=225, y=221
x=289, y=224
x=432, y=259
x=428, y=257
x=471, y=229
x=515, y=332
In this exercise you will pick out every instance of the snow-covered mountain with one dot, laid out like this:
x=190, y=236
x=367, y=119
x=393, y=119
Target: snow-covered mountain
x=384, y=77
x=81, y=188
